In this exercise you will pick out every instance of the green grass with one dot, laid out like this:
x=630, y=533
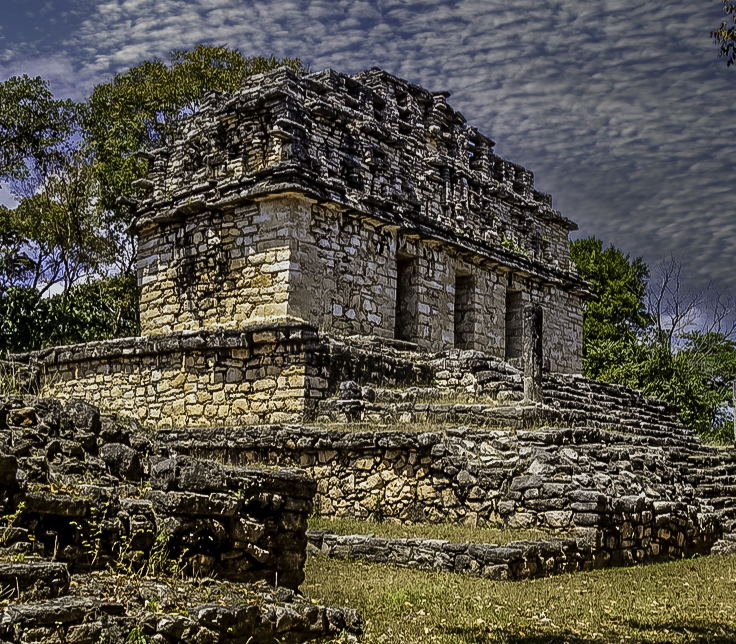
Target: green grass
x=10, y=381
x=455, y=533
x=684, y=601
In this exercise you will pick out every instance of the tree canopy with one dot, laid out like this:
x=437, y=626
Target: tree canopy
x=33, y=126
x=619, y=284
x=725, y=35
x=141, y=108
x=647, y=331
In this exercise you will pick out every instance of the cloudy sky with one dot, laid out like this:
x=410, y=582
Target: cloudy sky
x=620, y=107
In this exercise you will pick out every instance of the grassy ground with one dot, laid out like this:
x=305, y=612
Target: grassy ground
x=455, y=533
x=684, y=601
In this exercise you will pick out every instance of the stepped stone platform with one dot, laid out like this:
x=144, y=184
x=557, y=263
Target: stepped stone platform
x=339, y=282
x=590, y=456
x=611, y=476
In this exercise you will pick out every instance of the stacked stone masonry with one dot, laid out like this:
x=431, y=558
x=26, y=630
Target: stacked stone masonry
x=77, y=496
x=360, y=205
x=288, y=372
x=245, y=524
x=639, y=531
x=265, y=373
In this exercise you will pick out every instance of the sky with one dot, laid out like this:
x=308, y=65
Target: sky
x=621, y=108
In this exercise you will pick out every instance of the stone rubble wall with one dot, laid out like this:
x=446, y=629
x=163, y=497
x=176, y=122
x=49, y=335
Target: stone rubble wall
x=38, y=580
x=78, y=490
x=281, y=373
x=276, y=616
x=472, y=384
x=637, y=531
x=81, y=493
x=554, y=479
x=265, y=373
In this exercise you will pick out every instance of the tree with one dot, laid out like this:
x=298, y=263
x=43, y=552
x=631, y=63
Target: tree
x=56, y=235
x=657, y=336
x=102, y=309
x=725, y=36
x=32, y=126
x=55, y=238
x=619, y=284
x=677, y=311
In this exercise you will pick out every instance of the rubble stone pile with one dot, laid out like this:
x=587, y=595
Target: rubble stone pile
x=87, y=500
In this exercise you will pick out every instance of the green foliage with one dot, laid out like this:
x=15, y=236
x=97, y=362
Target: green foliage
x=619, y=284
x=16, y=265
x=103, y=309
x=10, y=520
x=725, y=36
x=652, y=347
x=24, y=319
x=58, y=231
x=695, y=381
x=136, y=636
x=141, y=108
x=32, y=126
x=67, y=163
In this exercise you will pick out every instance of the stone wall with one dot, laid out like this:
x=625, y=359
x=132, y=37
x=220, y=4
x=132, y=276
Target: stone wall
x=267, y=372
x=162, y=549
x=287, y=257
x=636, y=531
x=256, y=618
x=521, y=479
x=79, y=491
x=286, y=372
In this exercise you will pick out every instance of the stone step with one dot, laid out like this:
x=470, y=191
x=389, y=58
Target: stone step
x=33, y=580
x=511, y=561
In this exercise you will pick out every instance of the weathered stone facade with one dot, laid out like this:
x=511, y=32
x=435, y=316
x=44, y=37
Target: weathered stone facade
x=357, y=204
x=200, y=378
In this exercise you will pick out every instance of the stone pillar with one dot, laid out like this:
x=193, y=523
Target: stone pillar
x=533, y=354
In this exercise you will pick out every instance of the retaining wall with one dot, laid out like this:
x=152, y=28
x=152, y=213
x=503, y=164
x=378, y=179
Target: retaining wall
x=551, y=478
x=638, y=531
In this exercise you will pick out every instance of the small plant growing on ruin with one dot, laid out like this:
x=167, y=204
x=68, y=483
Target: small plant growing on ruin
x=159, y=554
x=136, y=636
x=123, y=562
x=152, y=605
x=379, y=512
x=10, y=382
x=10, y=520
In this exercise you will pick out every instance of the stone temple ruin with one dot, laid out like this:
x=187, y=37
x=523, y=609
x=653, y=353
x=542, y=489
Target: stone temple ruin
x=339, y=277
x=325, y=205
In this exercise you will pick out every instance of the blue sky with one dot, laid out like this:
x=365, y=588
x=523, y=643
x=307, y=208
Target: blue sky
x=620, y=107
